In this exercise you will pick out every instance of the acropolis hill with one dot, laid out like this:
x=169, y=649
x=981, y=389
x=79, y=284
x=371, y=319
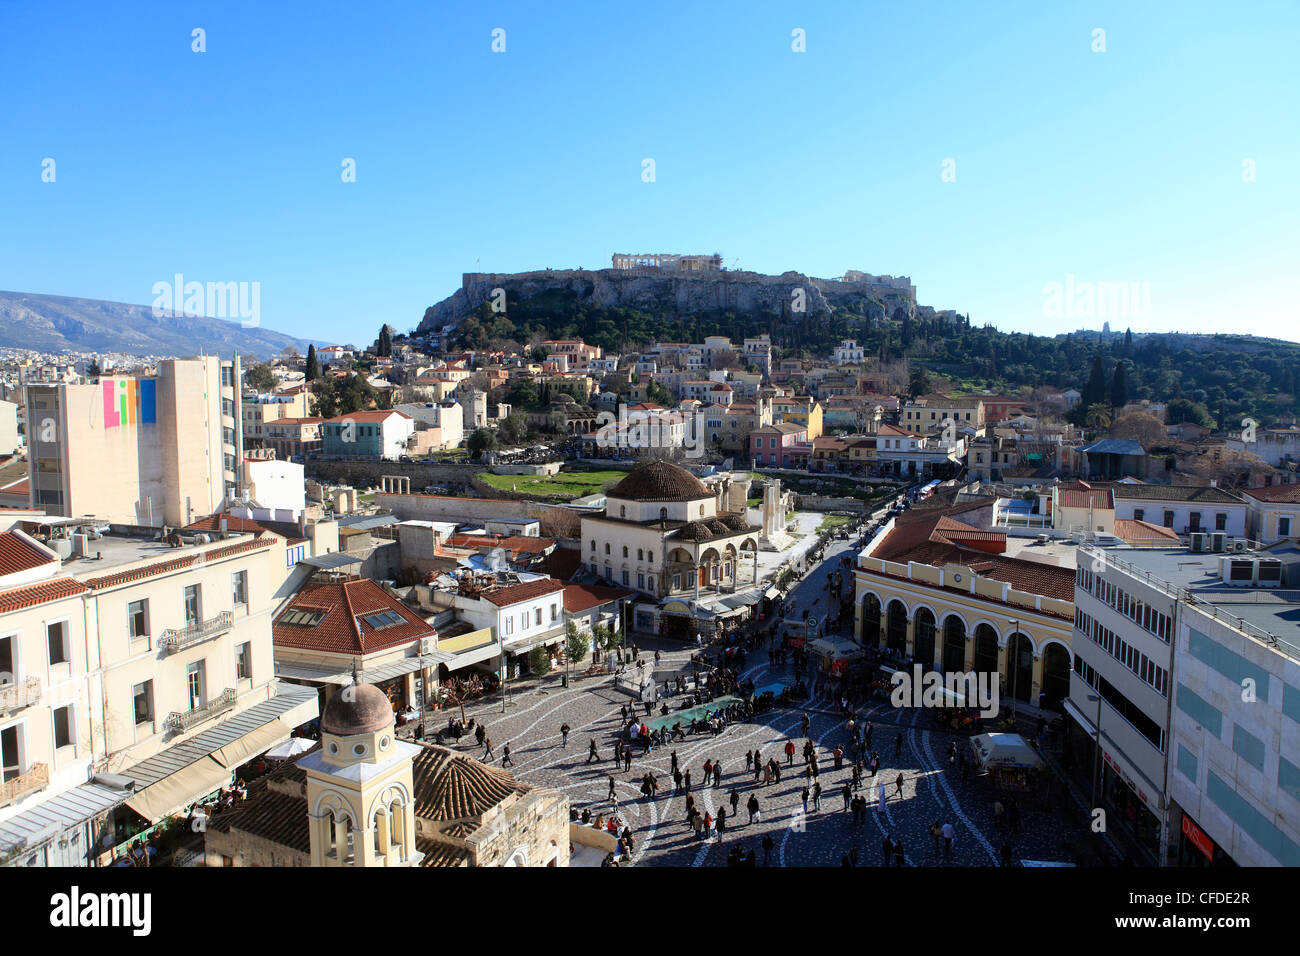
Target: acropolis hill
x=681, y=285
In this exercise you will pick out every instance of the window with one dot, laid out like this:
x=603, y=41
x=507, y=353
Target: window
x=523, y=620
x=640, y=581
x=537, y=616
x=56, y=636
x=1194, y=521
x=1221, y=521
x=1284, y=527
x=625, y=551
x=622, y=511
x=63, y=727
x=239, y=588
x=303, y=618
x=1169, y=518
x=640, y=554
x=510, y=624
x=625, y=576
x=137, y=618
x=593, y=544
x=244, y=661
x=384, y=619
x=192, y=604
x=1138, y=514
x=195, y=685
x=650, y=557
x=607, y=547
x=142, y=694
x=555, y=611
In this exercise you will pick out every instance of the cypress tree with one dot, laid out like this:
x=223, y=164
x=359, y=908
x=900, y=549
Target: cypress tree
x=1119, y=386
x=313, y=366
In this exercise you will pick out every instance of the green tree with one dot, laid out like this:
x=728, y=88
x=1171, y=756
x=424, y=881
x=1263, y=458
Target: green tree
x=384, y=348
x=918, y=382
x=1119, y=386
x=514, y=428
x=1095, y=390
x=575, y=643
x=524, y=394
x=481, y=440
x=1098, y=415
x=539, y=661
x=1184, y=410
x=313, y=364
x=657, y=392
x=260, y=377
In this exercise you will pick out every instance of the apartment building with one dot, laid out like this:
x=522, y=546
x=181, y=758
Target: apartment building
x=142, y=678
x=1272, y=513
x=173, y=441
x=520, y=611
x=1187, y=661
x=368, y=434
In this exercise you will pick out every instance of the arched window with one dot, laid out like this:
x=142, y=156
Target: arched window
x=650, y=557
x=640, y=554
x=607, y=547
x=625, y=551
x=663, y=514
x=622, y=511
x=593, y=544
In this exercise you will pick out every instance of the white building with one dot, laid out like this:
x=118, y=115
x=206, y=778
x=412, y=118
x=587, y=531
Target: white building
x=848, y=352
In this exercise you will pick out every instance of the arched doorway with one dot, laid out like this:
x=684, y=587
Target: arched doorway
x=870, y=621
x=954, y=644
x=986, y=650
x=897, y=627
x=1056, y=675
x=1020, y=667
x=923, y=636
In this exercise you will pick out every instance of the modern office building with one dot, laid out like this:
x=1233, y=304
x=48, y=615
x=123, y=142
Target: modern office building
x=141, y=451
x=1189, y=660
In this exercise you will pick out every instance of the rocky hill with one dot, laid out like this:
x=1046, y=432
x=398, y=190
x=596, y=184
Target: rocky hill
x=667, y=292
x=55, y=323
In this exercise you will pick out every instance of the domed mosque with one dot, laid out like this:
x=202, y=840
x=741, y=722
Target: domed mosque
x=675, y=539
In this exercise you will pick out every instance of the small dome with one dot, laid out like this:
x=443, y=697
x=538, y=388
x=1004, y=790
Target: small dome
x=660, y=481
x=356, y=709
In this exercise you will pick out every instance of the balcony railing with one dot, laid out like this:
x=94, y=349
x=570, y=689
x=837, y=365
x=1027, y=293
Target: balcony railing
x=36, y=778
x=177, y=639
x=182, y=721
x=24, y=693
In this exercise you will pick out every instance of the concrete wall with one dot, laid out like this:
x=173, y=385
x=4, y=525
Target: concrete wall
x=366, y=473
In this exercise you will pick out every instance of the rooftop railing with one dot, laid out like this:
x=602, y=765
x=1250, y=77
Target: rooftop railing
x=177, y=639
x=183, y=721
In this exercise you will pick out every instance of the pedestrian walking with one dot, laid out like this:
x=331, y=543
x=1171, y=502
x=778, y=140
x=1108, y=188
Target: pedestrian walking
x=887, y=849
x=612, y=796
x=898, y=785
x=900, y=858
x=949, y=834
x=673, y=759
x=487, y=749
x=803, y=795
x=768, y=844
x=564, y=736
x=817, y=795
x=752, y=807
x=734, y=799
x=505, y=756
x=847, y=794
x=591, y=752
x=789, y=753
x=687, y=777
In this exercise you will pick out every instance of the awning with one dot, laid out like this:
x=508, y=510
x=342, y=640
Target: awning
x=399, y=668
x=190, y=770
x=180, y=788
x=53, y=817
x=528, y=643
x=259, y=741
x=475, y=655
x=330, y=674
x=772, y=593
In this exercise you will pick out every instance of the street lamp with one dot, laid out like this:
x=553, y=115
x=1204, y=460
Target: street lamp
x=1096, y=762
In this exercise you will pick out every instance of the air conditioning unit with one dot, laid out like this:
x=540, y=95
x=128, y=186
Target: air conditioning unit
x=428, y=645
x=1239, y=545
x=80, y=545
x=1198, y=542
x=1218, y=542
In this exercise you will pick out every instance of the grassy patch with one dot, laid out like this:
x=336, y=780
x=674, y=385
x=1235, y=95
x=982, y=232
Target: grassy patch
x=564, y=486
x=833, y=521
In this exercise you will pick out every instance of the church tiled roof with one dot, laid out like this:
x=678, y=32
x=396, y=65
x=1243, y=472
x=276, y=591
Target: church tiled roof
x=452, y=786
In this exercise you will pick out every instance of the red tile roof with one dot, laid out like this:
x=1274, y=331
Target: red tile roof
x=520, y=544
x=935, y=538
x=373, y=415
x=1080, y=494
x=561, y=564
x=344, y=630
x=503, y=597
x=18, y=554
x=1130, y=531
x=583, y=597
x=30, y=595
x=1285, y=493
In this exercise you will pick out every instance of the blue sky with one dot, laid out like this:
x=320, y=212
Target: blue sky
x=1124, y=166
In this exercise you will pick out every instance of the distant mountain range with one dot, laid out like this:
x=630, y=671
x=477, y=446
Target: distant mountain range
x=56, y=323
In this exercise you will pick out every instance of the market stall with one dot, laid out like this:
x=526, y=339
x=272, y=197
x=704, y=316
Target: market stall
x=1008, y=759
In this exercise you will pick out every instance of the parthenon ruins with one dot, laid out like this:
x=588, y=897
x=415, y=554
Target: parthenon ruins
x=680, y=263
